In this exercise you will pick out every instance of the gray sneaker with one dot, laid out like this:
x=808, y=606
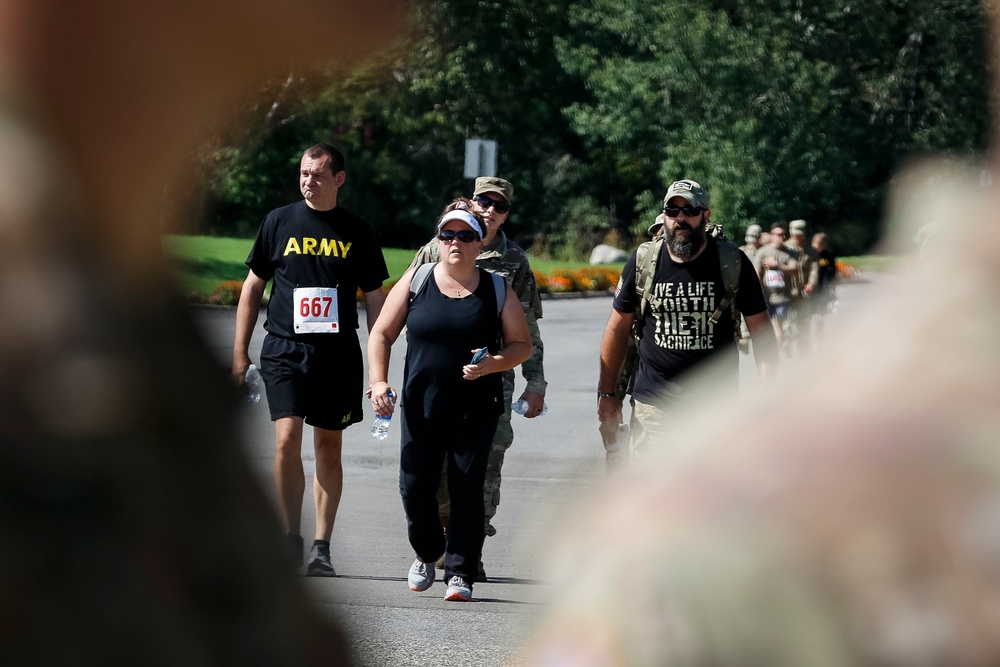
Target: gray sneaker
x=421, y=575
x=459, y=590
x=319, y=562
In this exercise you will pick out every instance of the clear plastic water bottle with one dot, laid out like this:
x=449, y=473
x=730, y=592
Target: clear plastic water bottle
x=253, y=384
x=520, y=406
x=380, y=427
x=616, y=453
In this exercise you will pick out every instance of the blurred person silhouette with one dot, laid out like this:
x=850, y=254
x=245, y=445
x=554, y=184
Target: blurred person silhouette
x=134, y=530
x=826, y=286
x=866, y=535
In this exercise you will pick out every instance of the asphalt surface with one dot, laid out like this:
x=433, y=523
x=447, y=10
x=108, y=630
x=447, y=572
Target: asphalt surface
x=554, y=460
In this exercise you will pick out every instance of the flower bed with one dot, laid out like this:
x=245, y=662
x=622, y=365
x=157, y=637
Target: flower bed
x=593, y=279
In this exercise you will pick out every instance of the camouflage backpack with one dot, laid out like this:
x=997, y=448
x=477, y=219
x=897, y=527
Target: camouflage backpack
x=646, y=257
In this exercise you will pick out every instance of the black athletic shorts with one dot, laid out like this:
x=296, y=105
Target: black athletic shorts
x=321, y=383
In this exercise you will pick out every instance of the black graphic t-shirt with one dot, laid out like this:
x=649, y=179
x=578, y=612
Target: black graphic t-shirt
x=299, y=247
x=677, y=331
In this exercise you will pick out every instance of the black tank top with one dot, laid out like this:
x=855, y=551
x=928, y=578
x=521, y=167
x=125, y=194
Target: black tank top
x=441, y=333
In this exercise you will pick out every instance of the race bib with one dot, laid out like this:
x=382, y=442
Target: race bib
x=315, y=310
x=774, y=278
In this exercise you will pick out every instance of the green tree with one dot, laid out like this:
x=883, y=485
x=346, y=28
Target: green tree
x=783, y=109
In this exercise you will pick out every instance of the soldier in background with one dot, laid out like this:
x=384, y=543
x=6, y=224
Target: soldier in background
x=804, y=285
x=753, y=241
x=492, y=199
x=777, y=269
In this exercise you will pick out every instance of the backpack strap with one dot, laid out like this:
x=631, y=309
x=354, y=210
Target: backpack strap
x=423, y=271
x=500, y=289
x=730, y=263
x=419, y=278
x=646, y=257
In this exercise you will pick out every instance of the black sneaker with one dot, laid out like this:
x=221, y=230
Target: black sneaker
x=319, y=562
x=293, y=547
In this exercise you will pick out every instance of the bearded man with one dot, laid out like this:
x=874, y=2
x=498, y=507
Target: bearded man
x=681, y=328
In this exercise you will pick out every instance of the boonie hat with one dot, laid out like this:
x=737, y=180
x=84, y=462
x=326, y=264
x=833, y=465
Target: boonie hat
x=465, y=217
x=493, y=184
x=691, y=191
x=753, y=233
x=797, y=226
x=654, y=228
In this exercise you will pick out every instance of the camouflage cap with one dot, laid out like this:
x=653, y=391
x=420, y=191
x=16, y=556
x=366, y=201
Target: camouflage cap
x=497, y=185
x=753, y=233
x=691, y=191
x=797, y=226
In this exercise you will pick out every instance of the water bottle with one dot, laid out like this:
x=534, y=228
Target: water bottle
x=252, y=381
x=520, y=406
x=616, y=453
x=380, y=427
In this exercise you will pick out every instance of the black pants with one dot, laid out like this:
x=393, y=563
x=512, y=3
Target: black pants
x=464, y=444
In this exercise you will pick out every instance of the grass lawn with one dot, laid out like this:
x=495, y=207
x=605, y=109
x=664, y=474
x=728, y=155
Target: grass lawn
x=203, y=262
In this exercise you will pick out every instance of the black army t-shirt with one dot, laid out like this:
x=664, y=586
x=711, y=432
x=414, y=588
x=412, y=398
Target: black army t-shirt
x=677, y=332
x=312, y=251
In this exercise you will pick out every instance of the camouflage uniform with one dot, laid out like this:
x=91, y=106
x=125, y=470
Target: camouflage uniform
x=507, y=259
x=802, y=305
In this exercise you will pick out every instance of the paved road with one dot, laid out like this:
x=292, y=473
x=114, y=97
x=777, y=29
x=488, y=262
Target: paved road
x=554, y=459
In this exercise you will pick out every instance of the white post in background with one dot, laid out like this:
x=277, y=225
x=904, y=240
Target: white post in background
x=480, y=158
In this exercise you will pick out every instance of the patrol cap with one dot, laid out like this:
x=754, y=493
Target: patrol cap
x=655, y=228
x=797, y=226
x=691, y=191
x=464, y=216
x=753, y=233
x=493, y=184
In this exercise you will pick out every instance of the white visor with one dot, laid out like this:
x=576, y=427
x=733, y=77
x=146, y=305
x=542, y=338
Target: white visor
x=464, y=216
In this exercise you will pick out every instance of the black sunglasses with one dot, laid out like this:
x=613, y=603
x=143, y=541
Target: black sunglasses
x=486, y=202
x=463, y=235
x=689, y=211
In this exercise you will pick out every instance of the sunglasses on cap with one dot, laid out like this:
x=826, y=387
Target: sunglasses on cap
x=463, y=235
x=486, y=202
x=689, y=211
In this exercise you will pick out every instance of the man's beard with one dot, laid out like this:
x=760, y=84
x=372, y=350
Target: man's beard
x=684, y=241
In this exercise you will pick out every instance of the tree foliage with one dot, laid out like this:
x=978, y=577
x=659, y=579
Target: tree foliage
x=781, y=108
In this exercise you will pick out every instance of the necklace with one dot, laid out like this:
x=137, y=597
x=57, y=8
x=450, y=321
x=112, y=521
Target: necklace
x=458, y=288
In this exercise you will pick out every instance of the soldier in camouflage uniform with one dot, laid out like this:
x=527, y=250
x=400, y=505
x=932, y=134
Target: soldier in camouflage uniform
x=805, y=282
x=502, y=256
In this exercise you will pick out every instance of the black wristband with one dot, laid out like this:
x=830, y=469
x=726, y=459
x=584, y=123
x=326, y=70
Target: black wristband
x=601, y=394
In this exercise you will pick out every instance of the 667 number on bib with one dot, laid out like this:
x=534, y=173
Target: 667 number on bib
x=315, y=310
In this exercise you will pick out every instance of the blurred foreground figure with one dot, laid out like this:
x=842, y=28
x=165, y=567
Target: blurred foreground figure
x=868, y=533
x=132, y=530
